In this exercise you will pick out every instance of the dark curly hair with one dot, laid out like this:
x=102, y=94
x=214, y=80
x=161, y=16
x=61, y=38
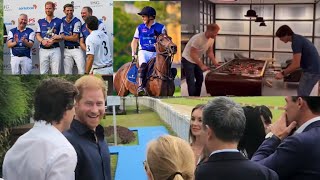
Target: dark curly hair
x=52, y=98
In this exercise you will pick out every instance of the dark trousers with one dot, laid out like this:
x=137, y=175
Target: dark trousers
x=307, y=82
x=194, y=77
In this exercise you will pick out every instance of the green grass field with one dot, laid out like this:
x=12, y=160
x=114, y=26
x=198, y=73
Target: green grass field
x=266, y=100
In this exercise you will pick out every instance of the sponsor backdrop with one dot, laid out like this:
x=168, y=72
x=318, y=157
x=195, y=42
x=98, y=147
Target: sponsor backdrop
x=102, y=9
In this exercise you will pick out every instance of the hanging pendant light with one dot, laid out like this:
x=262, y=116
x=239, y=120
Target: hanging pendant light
x=263, y=24
x=251, y=13
x=259, y=19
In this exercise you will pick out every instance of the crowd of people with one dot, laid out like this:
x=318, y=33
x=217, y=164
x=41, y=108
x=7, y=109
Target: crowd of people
x=90, y=38
x=67, y=140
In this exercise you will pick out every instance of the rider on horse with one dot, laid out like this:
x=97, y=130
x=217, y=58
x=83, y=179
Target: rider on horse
x=145, y=36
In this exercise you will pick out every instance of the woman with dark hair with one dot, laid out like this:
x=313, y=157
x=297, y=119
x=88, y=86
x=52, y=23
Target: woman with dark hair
x=258, y=120
x=196, y=133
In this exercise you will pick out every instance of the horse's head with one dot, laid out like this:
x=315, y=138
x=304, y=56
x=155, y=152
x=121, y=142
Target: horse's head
x=164, y=44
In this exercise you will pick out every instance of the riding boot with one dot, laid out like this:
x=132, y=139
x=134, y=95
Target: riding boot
x=142, y=79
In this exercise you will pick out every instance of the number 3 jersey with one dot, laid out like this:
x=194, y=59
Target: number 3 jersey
x=97, y=44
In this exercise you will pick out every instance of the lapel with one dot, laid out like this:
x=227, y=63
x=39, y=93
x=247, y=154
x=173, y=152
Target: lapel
x=312, y=125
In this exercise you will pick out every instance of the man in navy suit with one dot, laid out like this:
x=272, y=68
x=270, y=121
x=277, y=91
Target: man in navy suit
x=224, y=122
x=296, y=156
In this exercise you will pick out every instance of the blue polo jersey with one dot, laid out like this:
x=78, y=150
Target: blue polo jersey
x=146, y=36
x=85, y=32
x=73, y=27
x=44, y=26
x=310, y=60
x=21, y=49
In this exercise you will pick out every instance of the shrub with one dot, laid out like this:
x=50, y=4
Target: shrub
x=4, y=146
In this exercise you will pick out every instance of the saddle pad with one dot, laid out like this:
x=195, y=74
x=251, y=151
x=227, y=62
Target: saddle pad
x=132, y=74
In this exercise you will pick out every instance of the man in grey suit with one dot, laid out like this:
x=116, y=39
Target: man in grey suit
x=297, y=156
x=224, y=122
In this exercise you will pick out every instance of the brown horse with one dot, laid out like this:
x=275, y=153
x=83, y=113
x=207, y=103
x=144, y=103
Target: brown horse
x=161, y=80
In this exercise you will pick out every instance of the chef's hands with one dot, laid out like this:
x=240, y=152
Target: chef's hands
x=279, y=75
x=204, y=68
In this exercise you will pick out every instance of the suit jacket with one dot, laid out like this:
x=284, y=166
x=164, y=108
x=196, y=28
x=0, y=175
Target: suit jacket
x=296, y=157
x=231, y=166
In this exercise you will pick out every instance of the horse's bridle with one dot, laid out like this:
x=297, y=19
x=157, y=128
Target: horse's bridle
x=168, y=54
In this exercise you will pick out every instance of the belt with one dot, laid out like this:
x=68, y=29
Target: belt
x=108, y=65
x=71, y=47
x=51, y=47
x=21, y=56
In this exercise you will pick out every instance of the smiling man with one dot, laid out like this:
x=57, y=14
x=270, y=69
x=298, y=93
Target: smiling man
x=85, y=13
x=48, y=30
x=145, y=36
x=305, y=55
x=20, y=42
x=71, y=36
x=86, y=134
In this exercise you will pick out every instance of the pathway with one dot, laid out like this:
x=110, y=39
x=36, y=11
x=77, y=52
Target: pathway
x=130, y=158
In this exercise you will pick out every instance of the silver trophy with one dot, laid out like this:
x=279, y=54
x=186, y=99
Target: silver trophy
x=49, y=33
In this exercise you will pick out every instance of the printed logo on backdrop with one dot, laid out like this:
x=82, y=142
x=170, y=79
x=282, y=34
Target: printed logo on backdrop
x=31, y=21
x=7, y=53
x=6, y=7
x=6, y=67
x=12, y=22
x=74, y=5
x=34, y=51
x=33, y=7
x=96, y=4
x=35, y=67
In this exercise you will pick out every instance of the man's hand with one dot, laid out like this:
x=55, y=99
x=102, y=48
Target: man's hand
x=134, y=58
x=57, y=37
x=204, y=68
x=280, y=128
x=279, y=75
x=24, y=39
x=16, y=38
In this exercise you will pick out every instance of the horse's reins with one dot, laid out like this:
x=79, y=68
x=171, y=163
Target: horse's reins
x=168, y=53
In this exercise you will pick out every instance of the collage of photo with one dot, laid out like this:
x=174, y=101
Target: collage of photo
x=159, y=90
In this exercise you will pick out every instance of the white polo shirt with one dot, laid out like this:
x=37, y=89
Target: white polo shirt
x=200, y=42
x=97, y=44
x=43, y=153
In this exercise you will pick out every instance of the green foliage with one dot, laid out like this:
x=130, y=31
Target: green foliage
x=4, y=146
x=14, y=98
x=124, y=28
x=114, y=161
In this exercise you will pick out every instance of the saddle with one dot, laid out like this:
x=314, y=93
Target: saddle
x=132, y=75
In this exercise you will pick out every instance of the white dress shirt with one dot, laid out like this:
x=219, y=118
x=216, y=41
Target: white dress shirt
x=43, y=153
